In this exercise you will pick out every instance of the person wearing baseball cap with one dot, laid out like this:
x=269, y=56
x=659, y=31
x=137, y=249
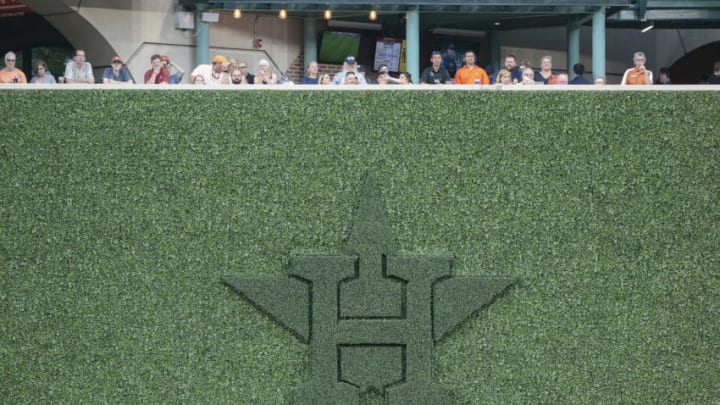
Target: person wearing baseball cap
x=175, y=78
x=349, y=65
x=116, y=72
x=213, y=74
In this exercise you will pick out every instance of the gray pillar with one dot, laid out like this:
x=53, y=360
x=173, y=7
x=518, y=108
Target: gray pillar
x=202, y=37
x=412, y=33
x=573, y=46
x=311, y=51
x=598, y=43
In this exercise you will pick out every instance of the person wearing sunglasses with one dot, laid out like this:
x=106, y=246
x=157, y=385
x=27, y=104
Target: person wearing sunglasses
x=11, y=74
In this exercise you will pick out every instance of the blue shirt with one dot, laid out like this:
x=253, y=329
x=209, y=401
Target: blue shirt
x=123, y=75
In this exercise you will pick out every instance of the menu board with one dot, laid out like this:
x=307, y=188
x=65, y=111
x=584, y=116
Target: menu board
x=387, y=52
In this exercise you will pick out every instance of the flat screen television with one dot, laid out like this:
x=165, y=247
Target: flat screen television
x=335, y=46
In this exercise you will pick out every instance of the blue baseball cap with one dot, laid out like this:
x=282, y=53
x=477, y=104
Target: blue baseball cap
x=350, y=60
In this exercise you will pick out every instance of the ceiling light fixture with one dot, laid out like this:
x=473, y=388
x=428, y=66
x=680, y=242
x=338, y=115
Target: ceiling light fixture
x=282, y=14
x=328, y=15
x=237, y=13
x=648, y=27
x=373, y=15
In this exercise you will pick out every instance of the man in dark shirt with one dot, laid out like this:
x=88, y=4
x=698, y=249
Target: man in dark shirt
x=579, y=70
x=436, y=73
x=715, y=75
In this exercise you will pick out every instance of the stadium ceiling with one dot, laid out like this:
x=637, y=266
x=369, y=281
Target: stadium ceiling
x=491, y=14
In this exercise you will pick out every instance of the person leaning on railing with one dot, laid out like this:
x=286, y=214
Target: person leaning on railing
x=41, y=73
x=11, y=74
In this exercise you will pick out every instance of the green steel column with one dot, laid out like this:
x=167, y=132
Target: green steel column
x=310, y=40
x=412, y=33
x=598, y=43
x=573, y=46
x=202, y=36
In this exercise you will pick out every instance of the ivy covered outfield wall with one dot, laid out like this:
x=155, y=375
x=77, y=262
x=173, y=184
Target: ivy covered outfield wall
x=121, y=210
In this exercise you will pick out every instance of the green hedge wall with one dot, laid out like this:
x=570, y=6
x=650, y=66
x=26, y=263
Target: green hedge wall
x=121, y=210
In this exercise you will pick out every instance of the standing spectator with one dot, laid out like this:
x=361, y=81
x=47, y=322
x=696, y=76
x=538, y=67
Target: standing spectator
x=11, y=74
x=637, y=75
x=175, y=78
x=436, y=72
x=311, y=74
x=264, y=75
x=715, y=76
x=512, y=67
x=664, y=76
x=545, y=75
x=157, y=74
x=212, y=74
x=528, y=76
x=349, y=65
x=78, y=70
x=116, y=73
x=41, y=73
x=579, y=70
x=471, y=73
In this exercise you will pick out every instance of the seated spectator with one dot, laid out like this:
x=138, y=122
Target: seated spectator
x=78, y=70
x=311, y=74
x=351, y=78
x=213, y=74
x=562, y=78
x=405, y=78
x=41, y=73
x=11, y=74
x=199, y=79
x=528, y=76
x=349, y=65
x=264, y=75
x=325, y=79
x=471, y=73
x=638, y=74
x=664, y=76
x=504, y=77
x=579, y=71
x=116, y=73
x=715, y=76
x=237, y=77
x=175, y=78
x=599, y=81
x=157, y=74
x=249, y=78
x=545, y=75
x=436, y=72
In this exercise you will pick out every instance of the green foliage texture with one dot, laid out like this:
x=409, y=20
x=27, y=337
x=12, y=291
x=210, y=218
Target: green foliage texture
x=121, y=210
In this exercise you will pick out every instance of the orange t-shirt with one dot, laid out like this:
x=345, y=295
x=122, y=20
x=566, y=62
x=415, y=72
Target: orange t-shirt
x=465, y=75
x=635, y=76
x=8, y=76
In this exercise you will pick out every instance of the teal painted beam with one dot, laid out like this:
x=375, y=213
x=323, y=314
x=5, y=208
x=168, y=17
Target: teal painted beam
x=310, y=29
x=573, y=45
x=202, y=37
x=598, y=43
x=412, y=33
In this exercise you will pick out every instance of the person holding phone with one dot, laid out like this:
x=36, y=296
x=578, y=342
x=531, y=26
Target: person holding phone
x=639, y=74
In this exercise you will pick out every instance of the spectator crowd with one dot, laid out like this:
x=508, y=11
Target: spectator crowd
x=222, y=71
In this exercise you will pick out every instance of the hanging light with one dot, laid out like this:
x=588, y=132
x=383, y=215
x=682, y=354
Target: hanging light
x=328, y=15
x=237, y=13
x=282, y=14
x=373, y=15
x=648, y=27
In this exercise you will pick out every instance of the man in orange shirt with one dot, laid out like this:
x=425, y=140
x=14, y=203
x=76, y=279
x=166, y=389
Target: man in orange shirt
x=638, y=74
x=471, y=73
x=11, y=74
